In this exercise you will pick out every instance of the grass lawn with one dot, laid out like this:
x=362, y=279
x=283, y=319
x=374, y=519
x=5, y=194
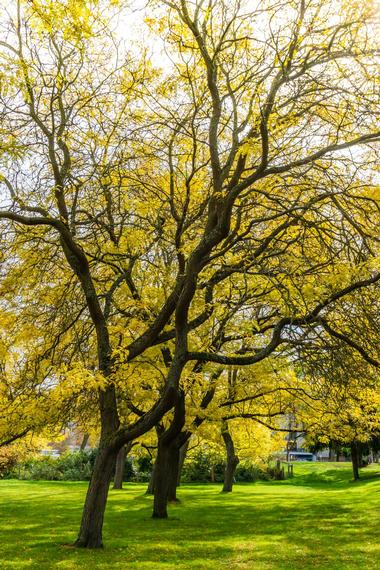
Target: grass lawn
x=319, y=519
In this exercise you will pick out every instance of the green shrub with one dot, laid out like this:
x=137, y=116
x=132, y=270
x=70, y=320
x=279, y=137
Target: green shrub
x=203, y=465
x=129, y=471
x=45, y=468
x=247, y=471
x=69, y=466
x=75, y=466
x=144, y=464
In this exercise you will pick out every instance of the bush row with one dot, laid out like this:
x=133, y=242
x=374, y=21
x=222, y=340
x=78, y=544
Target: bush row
x=202, y=467
x=67, y=467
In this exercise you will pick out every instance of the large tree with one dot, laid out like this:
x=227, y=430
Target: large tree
x=153, y=194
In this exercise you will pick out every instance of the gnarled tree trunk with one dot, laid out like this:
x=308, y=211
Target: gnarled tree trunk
x=90, y=534
x=166, y=466
x=232, y=459
x=111, y=441
x=161, y=482
x=174, y=458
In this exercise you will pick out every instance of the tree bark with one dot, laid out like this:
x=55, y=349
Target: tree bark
x=361, y=461
x=355, y=460
x=119, y=470
x=85, y=439
x=166, y=466
x=182, y=457
x=161, y=483
x=175, y=459
x=111, y=441
x=120, y=464
x=151, y=485
x=150, y=488
x=173, y=472
x=90, y=534
x=232, y=459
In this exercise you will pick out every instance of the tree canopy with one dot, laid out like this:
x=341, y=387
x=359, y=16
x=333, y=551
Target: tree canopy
x=215, y=204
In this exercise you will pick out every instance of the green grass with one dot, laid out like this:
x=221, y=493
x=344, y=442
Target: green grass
x=319, y=519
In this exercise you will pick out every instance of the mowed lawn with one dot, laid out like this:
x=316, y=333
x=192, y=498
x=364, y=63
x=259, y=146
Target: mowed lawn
x=319, y=519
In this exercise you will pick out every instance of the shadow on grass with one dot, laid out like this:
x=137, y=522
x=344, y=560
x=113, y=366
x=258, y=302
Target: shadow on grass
x=269, y=525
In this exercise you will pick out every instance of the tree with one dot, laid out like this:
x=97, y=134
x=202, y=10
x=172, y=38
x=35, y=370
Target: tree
x=120, y=465
x=341, y=398
x=244, y=150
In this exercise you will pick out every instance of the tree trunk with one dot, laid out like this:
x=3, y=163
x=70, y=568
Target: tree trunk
x=361, y=461
x=182, y=457
x=161, y=482
x=119, y=470
x=120, y=464
x=232, y=459
x=175, y=459
x=166, y=466
x=85, y=439
x=150, y=488
x=173, y=472
x=166, y=477
x=355, y=460
x=90, y=534
x=151, y=485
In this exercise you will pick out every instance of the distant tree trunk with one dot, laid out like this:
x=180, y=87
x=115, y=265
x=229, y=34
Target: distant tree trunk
x=85, y=439
x=361, y=461
x=355, y=459
x=150, y=488
x=182, y=457
x=120, y=464
x=119, y=470
x=232, y=459
x=337, y=449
